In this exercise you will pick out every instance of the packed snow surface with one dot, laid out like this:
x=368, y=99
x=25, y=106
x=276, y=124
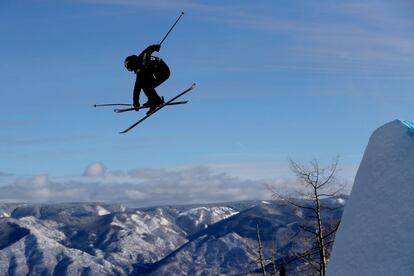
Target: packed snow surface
x=376, y=232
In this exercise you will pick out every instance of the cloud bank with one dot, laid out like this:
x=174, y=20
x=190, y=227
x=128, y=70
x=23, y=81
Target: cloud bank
x=139, y=187
x=150, y=187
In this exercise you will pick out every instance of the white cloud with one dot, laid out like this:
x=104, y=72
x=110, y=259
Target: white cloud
x=148, y=187
x=140, y=187
x=95, y=170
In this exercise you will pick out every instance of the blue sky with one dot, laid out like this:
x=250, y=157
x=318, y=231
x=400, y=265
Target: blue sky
x=275, y=80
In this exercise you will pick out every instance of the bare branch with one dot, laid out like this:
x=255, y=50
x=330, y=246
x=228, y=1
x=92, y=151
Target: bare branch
x=328, y=195
x=332, y=173
x=308, y=230
x=332, y=208
x=308, y=259
x=277, y=195
x=332, y=232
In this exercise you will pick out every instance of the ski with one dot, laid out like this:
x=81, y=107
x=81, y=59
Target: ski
x=160, y=107
x=120, y=110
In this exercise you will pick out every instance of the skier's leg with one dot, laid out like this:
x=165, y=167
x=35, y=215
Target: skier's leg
x=137, y=91
x=149, y=84
x=147, y=81
x=153, y=78
x=152, y=95
x=154, y=100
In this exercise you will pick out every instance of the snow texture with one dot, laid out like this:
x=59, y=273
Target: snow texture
x=199, y=218
x=376, y=232
x=111, y=239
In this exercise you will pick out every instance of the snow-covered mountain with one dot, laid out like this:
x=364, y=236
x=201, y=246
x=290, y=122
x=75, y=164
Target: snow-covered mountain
x=197, y=219
x=5, y=210
x=107, y=239
x=376, y=232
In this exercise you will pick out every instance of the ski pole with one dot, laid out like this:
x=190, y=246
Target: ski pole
x=172, y=27
x=111, y=104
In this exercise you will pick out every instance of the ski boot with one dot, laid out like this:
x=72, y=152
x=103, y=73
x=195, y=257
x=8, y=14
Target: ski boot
x=154, y=105
x=147, y=104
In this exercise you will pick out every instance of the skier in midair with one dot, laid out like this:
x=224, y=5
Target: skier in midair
x=151, y=71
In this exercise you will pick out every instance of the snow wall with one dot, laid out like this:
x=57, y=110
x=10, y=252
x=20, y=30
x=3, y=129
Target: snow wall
x=376, y=234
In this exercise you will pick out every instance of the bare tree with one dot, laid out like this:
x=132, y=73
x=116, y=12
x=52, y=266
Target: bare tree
x=273, y=259
x=260, y=251
x=318, y=184
x=282, y=271
x=265, y=262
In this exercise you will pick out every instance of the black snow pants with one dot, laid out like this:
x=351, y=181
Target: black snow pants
x=149, y=78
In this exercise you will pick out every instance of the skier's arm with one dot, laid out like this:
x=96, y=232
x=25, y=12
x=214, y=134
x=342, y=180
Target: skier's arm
x=137, y=91
x=146, y=54
x=152, y=48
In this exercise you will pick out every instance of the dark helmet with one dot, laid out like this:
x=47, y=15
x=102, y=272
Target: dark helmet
x=131, y=63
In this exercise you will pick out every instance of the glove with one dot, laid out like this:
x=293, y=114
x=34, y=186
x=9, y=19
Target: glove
x=136, y=106
x=157, y=47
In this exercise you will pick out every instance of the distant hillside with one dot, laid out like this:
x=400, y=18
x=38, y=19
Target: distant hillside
x=110, y=239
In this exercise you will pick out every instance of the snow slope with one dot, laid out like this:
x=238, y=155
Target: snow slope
x=106, y=239
x=376, y=232
x=229, y=247
x=196, y=219
x=91, y=238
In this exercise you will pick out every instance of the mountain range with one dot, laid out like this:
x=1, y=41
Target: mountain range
x=112, y=239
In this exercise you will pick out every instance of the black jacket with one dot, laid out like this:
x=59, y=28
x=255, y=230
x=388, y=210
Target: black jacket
x=145, y=56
